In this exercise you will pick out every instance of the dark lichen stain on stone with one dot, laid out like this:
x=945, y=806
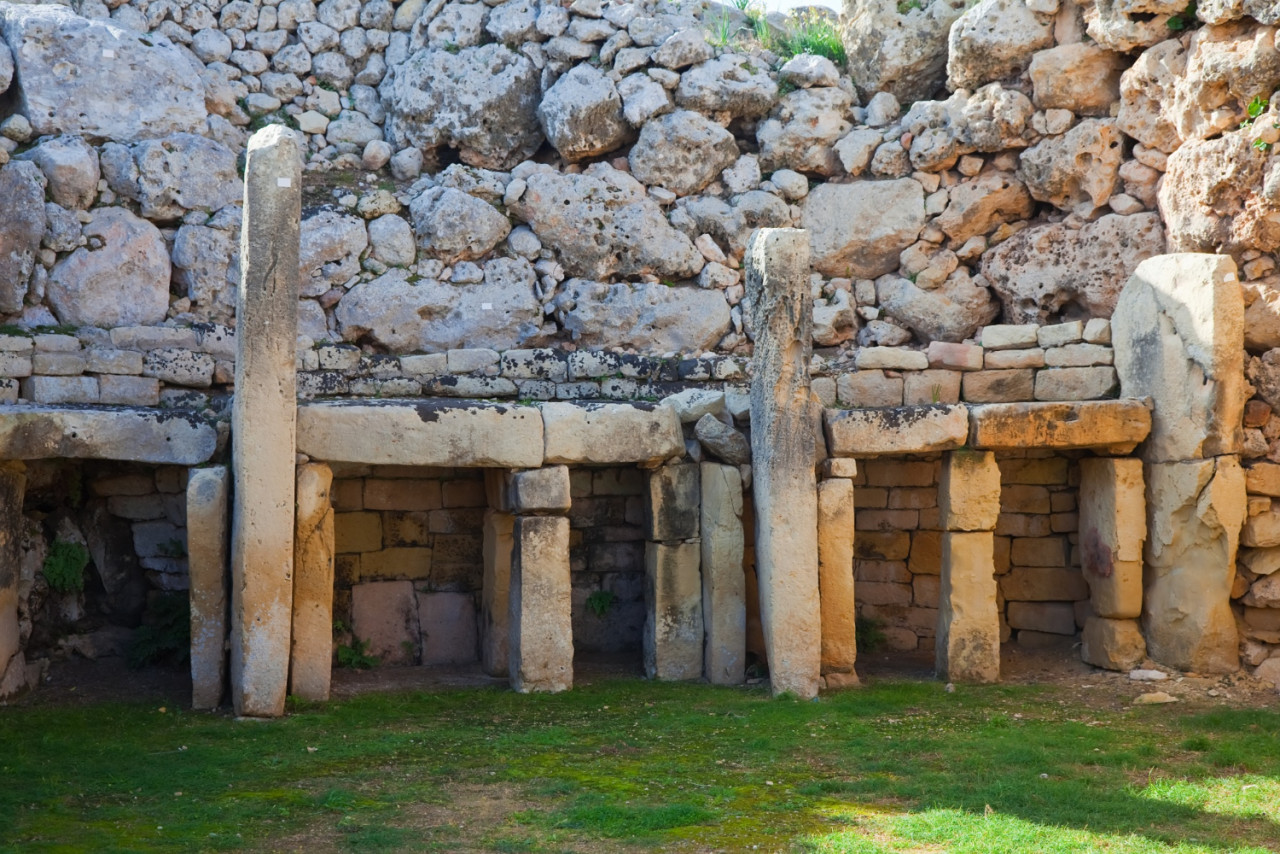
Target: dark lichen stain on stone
x=899, y=417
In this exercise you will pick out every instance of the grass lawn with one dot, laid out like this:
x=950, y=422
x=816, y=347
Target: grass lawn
x=628, y=765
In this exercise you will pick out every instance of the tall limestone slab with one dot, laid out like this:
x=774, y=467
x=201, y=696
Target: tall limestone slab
x=724, y=583
x=783, y=446
x=495, y=629
x=263, y=424
x=540, y=606
x=311, y=658
x=13, y=485
x=1178, y=334
x=835, y=582
x=208, y=493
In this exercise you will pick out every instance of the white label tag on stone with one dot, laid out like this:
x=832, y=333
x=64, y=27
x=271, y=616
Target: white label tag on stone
x=284, y=182
x=107, y=53
x=486, y=306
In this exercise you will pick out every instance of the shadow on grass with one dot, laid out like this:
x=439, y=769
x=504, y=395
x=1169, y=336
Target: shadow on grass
x=892, y=765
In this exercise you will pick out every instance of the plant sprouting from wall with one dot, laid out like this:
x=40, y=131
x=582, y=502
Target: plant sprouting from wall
x=165, y=633
x=64, y=566
x=600, y=602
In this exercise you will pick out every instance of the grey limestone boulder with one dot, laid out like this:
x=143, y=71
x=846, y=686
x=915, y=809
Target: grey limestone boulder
x=454, y=226
x=21, y=228
x=70, y=165
x=682, y=151
x=731, y=223
x=502, y=312
x=1127, y=24
x=185, y=172
x=860, y=229
x=206, y=265
x=995, y=40
x=581, y=114
x=602, y=223
x=802, y=130
x=6, y=67
x=729, y=83
x=123, y=282
x=954, y=311
x=481, y=101
x=331, y=243
x=902, y=52
x=155, y=89
x=649, y=316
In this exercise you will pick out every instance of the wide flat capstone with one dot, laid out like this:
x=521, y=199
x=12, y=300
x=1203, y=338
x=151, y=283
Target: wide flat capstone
x=168, y=437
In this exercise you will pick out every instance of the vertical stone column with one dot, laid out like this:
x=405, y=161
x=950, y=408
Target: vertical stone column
x=1178, y=335
x=835, y=582
x=673, y=626
x=540, y=601
x=495, y=630
x=263, y=416
x=13, y=486
x=968, y=641
x=208, y=491
x=1113, y=526
x=311, y=661
x=724, y=602
x=784, y=452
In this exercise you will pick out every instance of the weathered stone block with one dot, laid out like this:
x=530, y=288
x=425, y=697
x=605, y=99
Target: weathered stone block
x=901, y=430
x=408, y=562
x=869, y=389
x=118, y=390
x=611, y=433
x=969, y=491
x=540, y=606
x=542, y=490
x=673, y=625
x=724, y=610
x=968, y=635
x=60, y=389
x=672, y=511
x=448, y=623
x=1194, y=513
x=358, y=532
x=495, y=626
x=1056, y=618
x=1112, y=644
x=1043, y=584
x=998, y=386
x=1113, y=527
x=402, y=494
x=1113, y=425
x=835, y=577
x=39, y=432
x=1178, y=332
x=384, y=615
x=12, y=662
x=1075, y=383
x=422, y=433
x=311, y=651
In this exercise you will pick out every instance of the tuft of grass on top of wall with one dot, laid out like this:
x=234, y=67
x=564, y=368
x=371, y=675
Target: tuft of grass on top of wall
x=811, y=32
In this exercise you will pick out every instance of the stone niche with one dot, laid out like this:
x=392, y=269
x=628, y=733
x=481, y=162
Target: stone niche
x=101, y=550
x=1042, y=597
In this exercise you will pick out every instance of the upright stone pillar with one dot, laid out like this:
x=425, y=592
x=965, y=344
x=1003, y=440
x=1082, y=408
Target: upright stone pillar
x=208, y=492
x=673, y=624
x=263, y=416
x=540, y=600
x=1113, y=526
x=835, y=582
x=1178, y=334
x=724, y=583
x=784, y=452
x=968, y=642
x=311, y=662
x=13, y=485
x=495, y=630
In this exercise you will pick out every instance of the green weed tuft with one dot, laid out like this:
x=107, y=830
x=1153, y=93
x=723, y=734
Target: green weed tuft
x=64, y=566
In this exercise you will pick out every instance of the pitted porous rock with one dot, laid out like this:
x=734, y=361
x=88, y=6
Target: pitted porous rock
x=206, y=264
x=65, y=63
x=124, y=282
x=801, y=131
x=1055, y=271
x=858, y=230
x=995, y=40
x=21, y=227
x=731, y=223
x=650, y=316
x=1077, y=171
x=902, y=52
x=482, y=101
x=581, y=114
x=730, y=84
x=1124, y=25
x=454, y=226
x=1222, y=11
x=602, y=223
x=992, y=119
x=70, y=165
x=682, y=151
x=185, y=172
x=952, y=312
x=331, y=243
x=501, y=312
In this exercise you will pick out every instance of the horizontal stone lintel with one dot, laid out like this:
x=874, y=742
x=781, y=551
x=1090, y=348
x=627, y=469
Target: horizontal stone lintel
x=481, y=434
x=1110, y=426
x=161, y=436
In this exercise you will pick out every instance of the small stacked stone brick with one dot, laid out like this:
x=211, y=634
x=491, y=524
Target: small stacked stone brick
x=408, y=542
x=1256, y=593
x=133, y=366
x=154, y=502
x=1006, y=364
x=606, y=554
x=1041, y=590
